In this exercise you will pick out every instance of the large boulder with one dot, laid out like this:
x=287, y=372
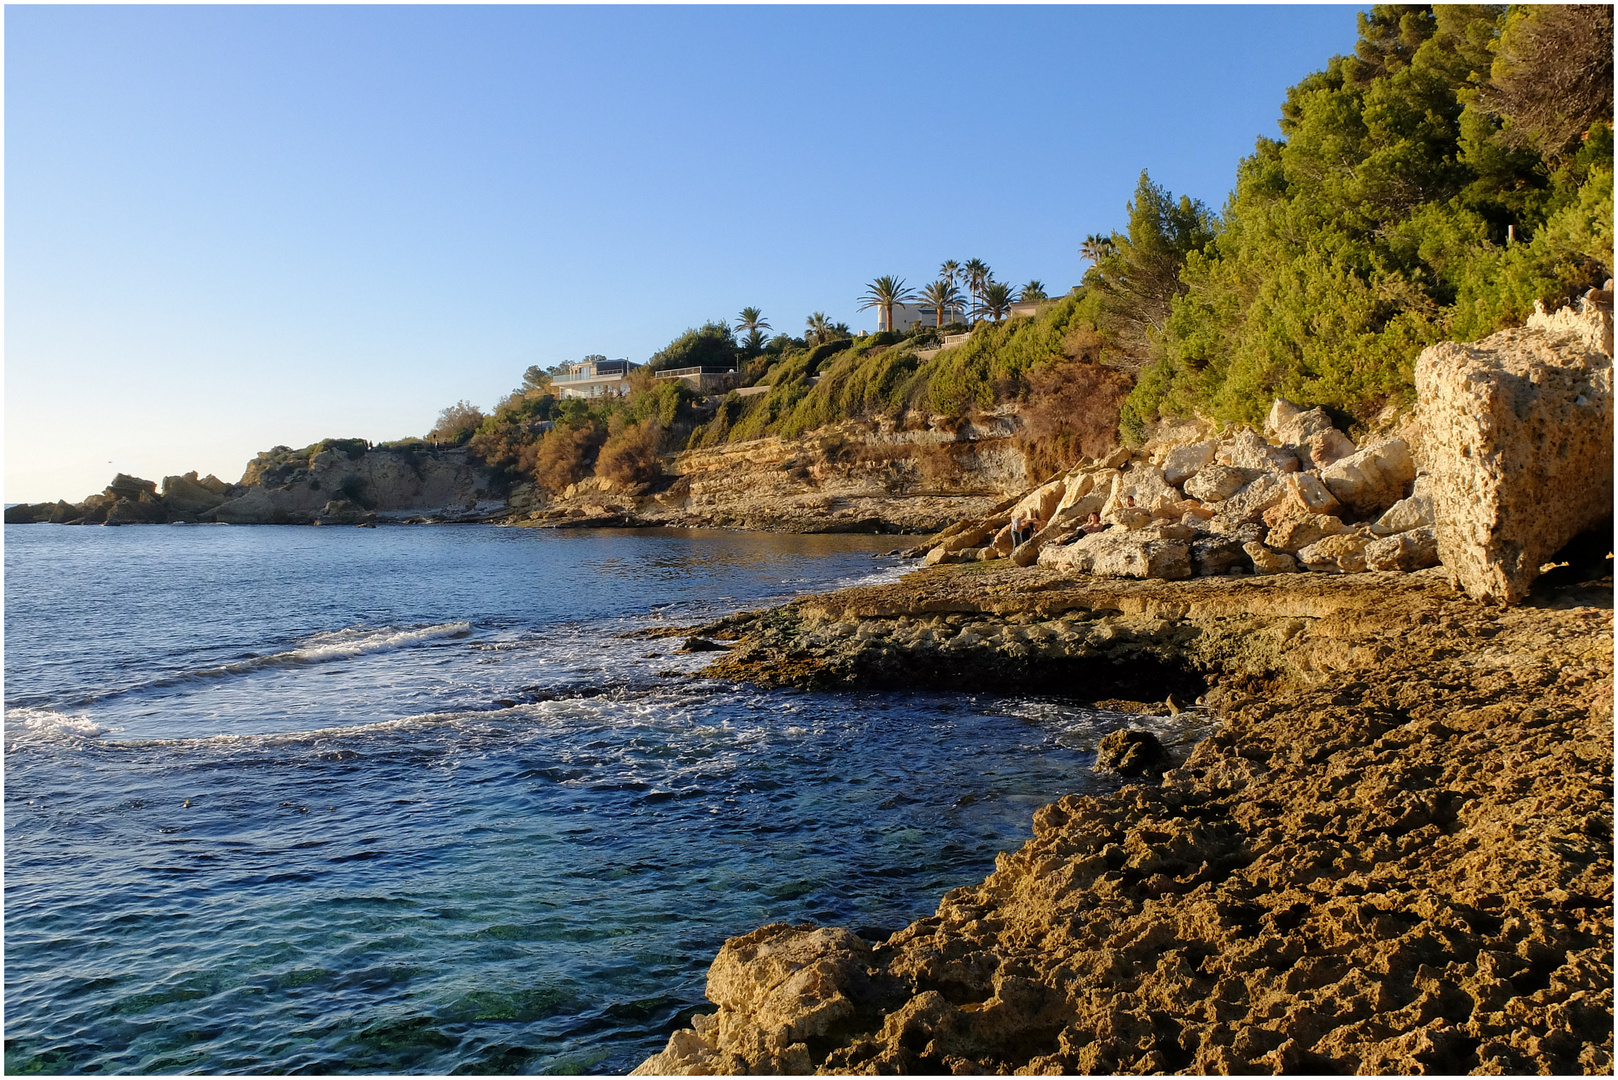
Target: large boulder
x=1329, y=446
x=1218, y=554
x=1215, y=483
x=188, y=495
x=1143, y=553
x=124, y=486
x=1248, y=450
x=1373, y=479
x=777, y=988
x=1297, y=529
x=1249, y=504
x=1267, y=561
x=1406, y=514
x=1517, y=434
x=1342, y=553
x=1416, y=549
x=1308, y=433
x=1182, y=462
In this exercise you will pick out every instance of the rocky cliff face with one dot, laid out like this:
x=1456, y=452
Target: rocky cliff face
x=852, y=476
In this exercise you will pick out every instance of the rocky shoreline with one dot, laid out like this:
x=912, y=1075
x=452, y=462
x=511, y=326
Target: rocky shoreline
x=1394, y=855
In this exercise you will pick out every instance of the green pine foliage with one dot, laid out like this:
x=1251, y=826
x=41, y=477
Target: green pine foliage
x=1379, y=225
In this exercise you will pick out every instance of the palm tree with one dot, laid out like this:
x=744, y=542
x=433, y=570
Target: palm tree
x=1034, y=290
x=883, y=293
x=751, y=319
x=977, y=274
x=950, y=272
x=942, y=294
x=819, y=327
x=995, y=300
x=841, y=330
x=1096, y=247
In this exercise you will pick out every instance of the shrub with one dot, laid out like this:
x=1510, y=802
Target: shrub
x=713, y=344
x=1072, y=409
x=630, y=454
x=566, y=454
x=456, y=424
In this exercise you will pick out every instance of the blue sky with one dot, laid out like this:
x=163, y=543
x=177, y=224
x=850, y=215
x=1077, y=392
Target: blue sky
x=231, y=227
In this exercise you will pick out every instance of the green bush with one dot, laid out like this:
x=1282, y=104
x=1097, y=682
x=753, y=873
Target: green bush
x=1378, y=226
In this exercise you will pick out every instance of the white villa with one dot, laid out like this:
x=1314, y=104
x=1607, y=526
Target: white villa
x=906, y=316
x=594, y=378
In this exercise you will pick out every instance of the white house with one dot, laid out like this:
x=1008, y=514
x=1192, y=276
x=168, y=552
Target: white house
x=594, y=378
x=906, y=316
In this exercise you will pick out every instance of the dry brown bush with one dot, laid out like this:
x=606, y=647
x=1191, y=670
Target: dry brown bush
x=630, y=453
x=565, y=455
x=1071, y=410
x=938, y=463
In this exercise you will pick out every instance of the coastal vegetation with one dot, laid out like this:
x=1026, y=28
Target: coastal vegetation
x=1434, y=185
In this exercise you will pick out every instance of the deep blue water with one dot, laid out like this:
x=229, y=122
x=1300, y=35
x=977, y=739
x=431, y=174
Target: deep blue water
x=294, y=800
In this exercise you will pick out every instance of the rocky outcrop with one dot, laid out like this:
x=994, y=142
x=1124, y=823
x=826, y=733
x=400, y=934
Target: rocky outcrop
x=1394, y=856
x=335, y=482
x=1517, y=431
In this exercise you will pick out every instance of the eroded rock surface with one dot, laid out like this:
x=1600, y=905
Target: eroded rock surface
x=1517, y=429
x=1394, y=856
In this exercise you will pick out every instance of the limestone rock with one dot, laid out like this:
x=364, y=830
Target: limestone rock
x=1416, y=549
x=124, y=486
x=1132, y=753
x=1266, y=561
x=777, y=988
x=1373, y=479
x=189, y=495
x=1248, y=504
x=1343, y=553
x=1042, y=502
x=1215, y=483
x=1121, y=553
x=1306, y=491
x=1087, y=493
x=1142, y=483
x=1297, y=530
x=1128, y=517
x=1517, y=430
x=1327, y=447
x=1182, y=462
x=136, y=511
x=1406, y=514
x=1293, y=426
x=1217, y=555
x=1248, y=450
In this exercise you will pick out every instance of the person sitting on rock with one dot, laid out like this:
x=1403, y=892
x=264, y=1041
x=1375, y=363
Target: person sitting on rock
x=1094, y=525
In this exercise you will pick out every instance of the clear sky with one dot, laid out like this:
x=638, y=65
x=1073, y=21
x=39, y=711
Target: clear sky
x=232, y=227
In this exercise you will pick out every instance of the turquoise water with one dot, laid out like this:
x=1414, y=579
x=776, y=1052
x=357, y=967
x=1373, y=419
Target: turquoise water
x=403, y=800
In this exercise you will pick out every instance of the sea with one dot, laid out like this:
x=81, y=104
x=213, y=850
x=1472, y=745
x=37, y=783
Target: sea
x=296, y=800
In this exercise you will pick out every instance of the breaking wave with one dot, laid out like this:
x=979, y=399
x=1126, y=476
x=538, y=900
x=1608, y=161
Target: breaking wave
x=319, y=649
x=25, y=725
